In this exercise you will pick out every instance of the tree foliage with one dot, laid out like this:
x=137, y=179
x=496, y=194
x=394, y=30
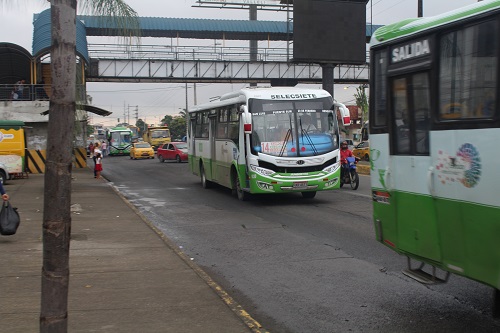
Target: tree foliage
x=362, y=102
x=177, y=128
x=167, y=120
x=142, y=126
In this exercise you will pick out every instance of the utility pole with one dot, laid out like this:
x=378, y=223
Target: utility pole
x=420, y=8
x=136, y=113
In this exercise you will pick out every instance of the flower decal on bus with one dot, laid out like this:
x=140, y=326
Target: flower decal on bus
x=464, y=167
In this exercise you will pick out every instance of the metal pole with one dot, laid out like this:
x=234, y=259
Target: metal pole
x=420, y=8
x=253, y=43
x=186, y=97
x=327, y=70
x=194, y=93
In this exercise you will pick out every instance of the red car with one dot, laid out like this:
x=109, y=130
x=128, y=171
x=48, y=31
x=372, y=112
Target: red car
x=173, y=151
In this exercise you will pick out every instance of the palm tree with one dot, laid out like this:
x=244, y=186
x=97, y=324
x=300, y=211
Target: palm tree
x=57, y=191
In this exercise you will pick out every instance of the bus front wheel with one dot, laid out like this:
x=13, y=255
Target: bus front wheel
x=238, y=189
x=308, y=195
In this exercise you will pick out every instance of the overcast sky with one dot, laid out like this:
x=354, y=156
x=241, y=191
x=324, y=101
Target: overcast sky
x=156, y=100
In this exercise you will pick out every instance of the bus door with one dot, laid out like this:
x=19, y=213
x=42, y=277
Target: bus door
x=212, y=135
x=224, y=144
x=410, y=161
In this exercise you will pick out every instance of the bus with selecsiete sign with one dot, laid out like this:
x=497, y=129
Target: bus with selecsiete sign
x=120, y=141
x=268, y=140
x=434, y=118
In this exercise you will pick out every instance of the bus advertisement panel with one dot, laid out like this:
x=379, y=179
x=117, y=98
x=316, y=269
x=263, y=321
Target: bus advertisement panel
x=434, y=114
x=268, y=140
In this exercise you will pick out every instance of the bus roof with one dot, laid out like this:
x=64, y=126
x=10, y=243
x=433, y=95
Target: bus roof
x=240, y=96
x=411, y=26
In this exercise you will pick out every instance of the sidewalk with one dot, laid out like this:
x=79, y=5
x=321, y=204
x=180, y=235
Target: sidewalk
x=125, y=276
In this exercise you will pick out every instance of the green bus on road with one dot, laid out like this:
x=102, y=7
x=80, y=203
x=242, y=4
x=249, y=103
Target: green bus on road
x=268, y=140
x=434, y=118
x=120, y=141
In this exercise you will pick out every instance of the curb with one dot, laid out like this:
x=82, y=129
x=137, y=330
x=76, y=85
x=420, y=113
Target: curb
x=363, y=169
x=251, y=323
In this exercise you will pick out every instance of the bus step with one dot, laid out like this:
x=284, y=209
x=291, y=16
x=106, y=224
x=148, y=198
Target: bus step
x=421, y=276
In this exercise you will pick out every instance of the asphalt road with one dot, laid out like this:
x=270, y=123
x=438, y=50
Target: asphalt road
x=299, y=265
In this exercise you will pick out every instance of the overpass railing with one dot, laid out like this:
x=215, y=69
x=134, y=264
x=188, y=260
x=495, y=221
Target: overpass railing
x=190, y=53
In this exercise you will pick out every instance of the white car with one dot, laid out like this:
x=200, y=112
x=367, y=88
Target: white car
x=350, y=144
x=4, y=174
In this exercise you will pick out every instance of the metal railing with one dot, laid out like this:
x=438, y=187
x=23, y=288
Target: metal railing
x=190, y=53
x=32, y=92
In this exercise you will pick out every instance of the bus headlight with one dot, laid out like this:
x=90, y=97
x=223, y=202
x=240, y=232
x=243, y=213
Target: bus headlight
x=261, y=171
x=332, y=168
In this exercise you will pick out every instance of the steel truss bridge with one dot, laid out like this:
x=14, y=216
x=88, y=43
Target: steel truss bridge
x=209, y=64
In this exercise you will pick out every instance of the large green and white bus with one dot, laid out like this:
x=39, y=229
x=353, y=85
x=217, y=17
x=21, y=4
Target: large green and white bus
x=120, y=141
x=434, y=118
x=268, y=140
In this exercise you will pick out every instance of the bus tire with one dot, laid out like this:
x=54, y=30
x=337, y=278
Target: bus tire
x=308, y=195
x=238, y=189
x=205, y=183
x=496, y=303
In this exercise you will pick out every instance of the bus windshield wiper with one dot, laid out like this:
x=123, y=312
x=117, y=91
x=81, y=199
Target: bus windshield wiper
x=289, y=134
x=308, y=138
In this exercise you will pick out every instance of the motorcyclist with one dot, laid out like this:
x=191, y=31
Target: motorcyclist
x=345, y=152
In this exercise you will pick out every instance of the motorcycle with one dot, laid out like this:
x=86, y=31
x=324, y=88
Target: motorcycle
x=349, y=175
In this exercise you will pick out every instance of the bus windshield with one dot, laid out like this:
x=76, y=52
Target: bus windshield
x=293, y=128
x=120, y=137
x=155, y=134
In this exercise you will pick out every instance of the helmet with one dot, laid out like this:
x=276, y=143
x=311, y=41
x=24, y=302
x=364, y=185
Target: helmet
x=343, y=145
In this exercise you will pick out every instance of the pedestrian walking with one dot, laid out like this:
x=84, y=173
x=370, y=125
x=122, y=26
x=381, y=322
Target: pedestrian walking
x=98, y=166
x=104, y=148
x=97, y=150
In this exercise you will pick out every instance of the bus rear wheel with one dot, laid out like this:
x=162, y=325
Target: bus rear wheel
x=308, y=195
x=205, y=183
x=496, y=303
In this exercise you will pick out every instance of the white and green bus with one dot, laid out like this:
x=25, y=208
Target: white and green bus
x=268, y=140
x=434, y=117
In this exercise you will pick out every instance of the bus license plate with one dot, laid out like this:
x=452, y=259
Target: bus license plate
x=300, y=185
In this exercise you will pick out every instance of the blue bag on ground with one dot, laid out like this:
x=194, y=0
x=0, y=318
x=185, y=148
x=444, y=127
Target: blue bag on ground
x=9, y=219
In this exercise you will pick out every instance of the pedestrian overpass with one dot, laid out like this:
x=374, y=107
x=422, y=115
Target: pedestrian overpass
x=167, y=64
x=197, y=64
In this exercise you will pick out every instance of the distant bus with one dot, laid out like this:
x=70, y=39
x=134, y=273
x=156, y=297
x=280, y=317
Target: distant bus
x=157, y=136
x=267, y=140
x=135, y=132
x=434, y=121
x=120, y=141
